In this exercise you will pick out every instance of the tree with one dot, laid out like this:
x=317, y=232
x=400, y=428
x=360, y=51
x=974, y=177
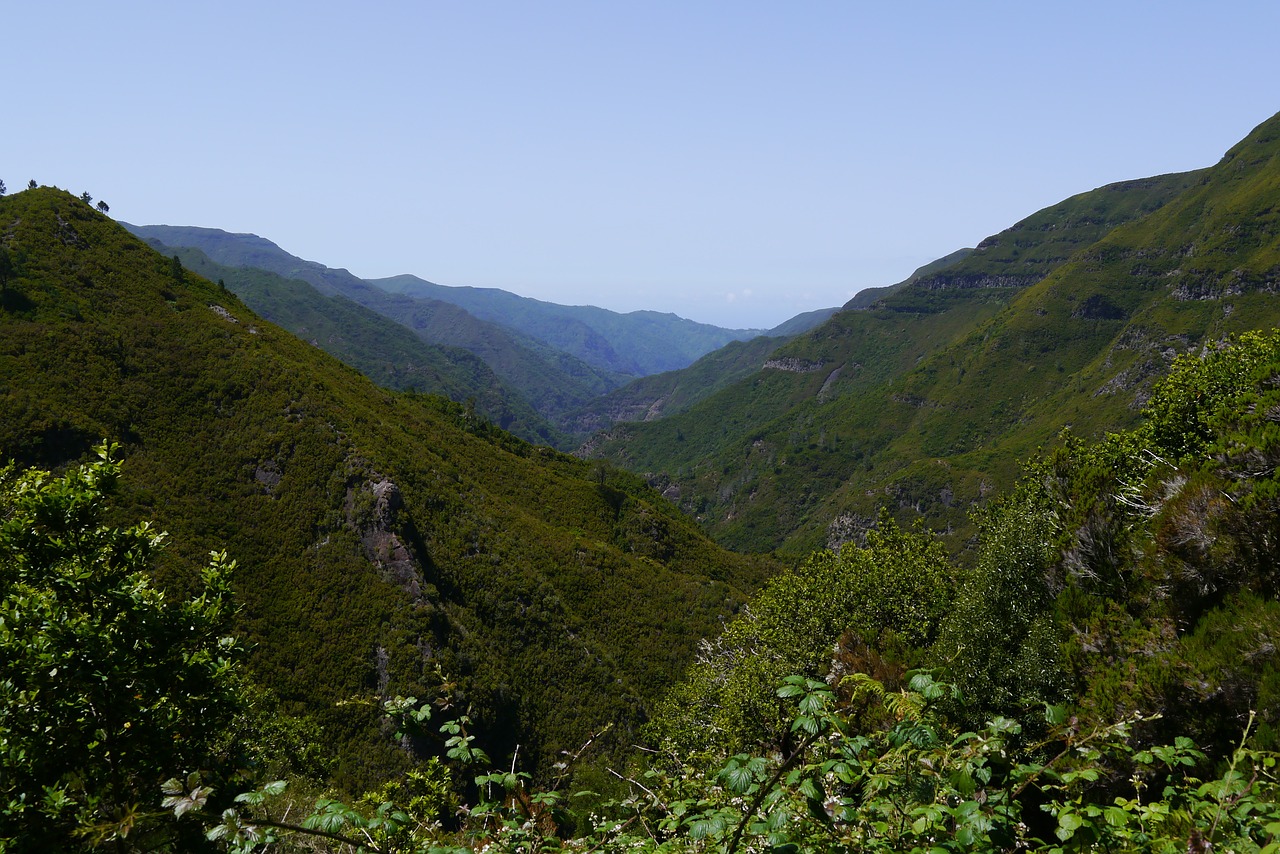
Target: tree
x=31, y=185
x=2, y=188
x=103, y=207
x=106, y=687
x=86, y=198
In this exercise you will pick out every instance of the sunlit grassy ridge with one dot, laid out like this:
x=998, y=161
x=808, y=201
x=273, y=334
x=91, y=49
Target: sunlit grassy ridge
x=926, y=400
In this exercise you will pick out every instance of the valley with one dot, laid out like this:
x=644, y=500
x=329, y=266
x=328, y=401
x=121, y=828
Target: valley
x=719, y=584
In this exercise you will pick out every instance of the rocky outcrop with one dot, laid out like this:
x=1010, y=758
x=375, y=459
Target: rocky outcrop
x=793, y=365
x=967, y=281
x=373, y=510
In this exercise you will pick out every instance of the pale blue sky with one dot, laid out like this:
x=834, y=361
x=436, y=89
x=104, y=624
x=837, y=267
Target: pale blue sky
x=733, y=162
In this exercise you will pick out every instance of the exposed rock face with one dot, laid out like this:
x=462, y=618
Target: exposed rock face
x=1200, y=285
x=848, y=528
x=69, y=235
x=793, y=365
x=268, y=474
x=222, y=312
x=373, y=510
x=972, y=280
x=824, y=393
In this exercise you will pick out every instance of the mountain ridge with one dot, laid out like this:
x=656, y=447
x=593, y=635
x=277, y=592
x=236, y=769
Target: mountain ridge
x=650, y=341
x=917, y=404
x=550, y=380
x=378, y=534
x=386, y=352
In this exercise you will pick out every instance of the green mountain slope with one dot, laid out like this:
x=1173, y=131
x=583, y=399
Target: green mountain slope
x=926, y=400
x=664, y=394
x=378, y=534
x=801, y=323
x=551, y=380
x=867, y=297
x=387, y=353
x=637, y=343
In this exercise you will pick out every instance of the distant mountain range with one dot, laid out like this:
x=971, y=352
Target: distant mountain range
x=546, y=363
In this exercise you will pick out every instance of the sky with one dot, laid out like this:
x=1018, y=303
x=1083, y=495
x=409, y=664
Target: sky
x=735, y=163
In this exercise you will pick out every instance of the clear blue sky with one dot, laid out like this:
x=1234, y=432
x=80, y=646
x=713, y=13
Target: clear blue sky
x=733, y=162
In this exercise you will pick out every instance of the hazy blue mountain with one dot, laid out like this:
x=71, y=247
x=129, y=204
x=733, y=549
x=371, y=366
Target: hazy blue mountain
x=637, y=343
x=551, y=380
x=388, y=353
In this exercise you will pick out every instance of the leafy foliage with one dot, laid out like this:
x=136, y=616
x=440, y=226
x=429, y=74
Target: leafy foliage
x=105, y=686
x=888, y=598
x=915, y=784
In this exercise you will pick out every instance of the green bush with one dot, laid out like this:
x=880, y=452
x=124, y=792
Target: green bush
x=106, y=687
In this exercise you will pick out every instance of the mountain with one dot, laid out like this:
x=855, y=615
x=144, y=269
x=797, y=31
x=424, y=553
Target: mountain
x=637, y=343
x=551, y=380
x=379, y=535
x=801, y=323
x=868, y=297
x=924, y=400
x=389, y=354
x=661, y=395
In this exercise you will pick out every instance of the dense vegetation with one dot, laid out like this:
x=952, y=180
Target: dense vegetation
x=1124, y=597
x=389, y=354
x=379, y=535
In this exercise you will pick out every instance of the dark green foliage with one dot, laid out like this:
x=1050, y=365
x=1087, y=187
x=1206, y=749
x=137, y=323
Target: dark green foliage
x=887, y=597
x=106, y=686
x=1000, y=642
x=1136, y=575
x=1171, y=548
x=387, y=353
x=379, y=535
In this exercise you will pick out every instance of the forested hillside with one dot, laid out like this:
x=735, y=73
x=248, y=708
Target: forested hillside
x=550, y=380
x=389, y=354
x=1104, y=677
x=924, y=400
x=379, y=535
